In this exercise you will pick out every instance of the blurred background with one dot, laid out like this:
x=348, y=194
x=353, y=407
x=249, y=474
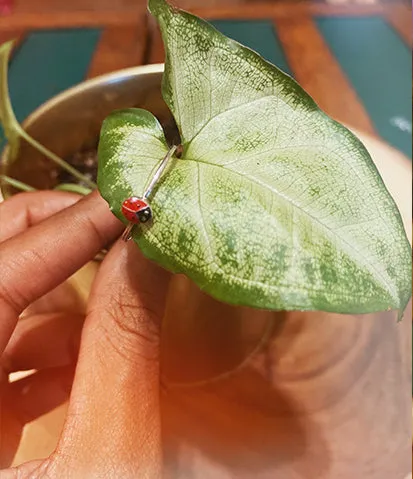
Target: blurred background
x=352, y=56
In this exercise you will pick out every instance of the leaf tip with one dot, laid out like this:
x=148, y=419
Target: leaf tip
x=400, y=314
x=6, y=47
x=160, y=8
x=402, y=309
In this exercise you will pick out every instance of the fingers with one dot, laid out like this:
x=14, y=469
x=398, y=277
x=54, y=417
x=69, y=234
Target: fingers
x=114, y=410
x=26, y=209
x=43, y=341
x=24, y=401
x=65, y=298
x=38, y=260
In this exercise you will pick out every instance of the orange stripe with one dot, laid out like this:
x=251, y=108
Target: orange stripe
x=400, y=17
x=319, y=73
x=109, y=14
x=254, y=10
x=40, y=20
x=119, y=47
x=156, y=52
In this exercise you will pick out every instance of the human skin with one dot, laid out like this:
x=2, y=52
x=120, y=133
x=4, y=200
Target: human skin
x=112, y=427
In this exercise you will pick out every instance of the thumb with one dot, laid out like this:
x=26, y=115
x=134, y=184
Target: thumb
x=113, y=425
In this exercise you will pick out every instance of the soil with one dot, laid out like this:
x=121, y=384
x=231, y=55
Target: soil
x=86, y=160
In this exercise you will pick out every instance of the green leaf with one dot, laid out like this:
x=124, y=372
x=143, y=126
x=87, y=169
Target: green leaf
x=272, y=204
x=7, y=118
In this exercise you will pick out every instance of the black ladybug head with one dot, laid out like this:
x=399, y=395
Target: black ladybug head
x=144, y=215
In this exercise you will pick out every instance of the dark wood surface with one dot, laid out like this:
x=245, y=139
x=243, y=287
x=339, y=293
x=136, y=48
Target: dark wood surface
x=401, y=19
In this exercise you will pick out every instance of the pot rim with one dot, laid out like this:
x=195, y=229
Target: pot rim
x=112, y=77
x=85, y=85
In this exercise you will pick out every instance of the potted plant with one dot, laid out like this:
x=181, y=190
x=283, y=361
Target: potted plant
x=267, y=204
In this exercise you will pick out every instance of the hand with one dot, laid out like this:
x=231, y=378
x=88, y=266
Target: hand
x=112, y=427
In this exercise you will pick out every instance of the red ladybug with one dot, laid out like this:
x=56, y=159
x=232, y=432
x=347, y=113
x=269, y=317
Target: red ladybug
x=136, y=210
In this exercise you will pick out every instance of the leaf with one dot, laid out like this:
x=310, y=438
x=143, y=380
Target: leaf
x=273, y=204
x=7, y=118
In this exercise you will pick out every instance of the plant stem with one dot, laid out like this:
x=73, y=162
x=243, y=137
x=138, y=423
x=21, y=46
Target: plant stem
x=63, y=164
x=16, y=183
x=73, y=188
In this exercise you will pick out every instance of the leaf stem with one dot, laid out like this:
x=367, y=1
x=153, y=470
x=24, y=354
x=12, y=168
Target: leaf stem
x=63, y=164
x=73, y=188
x=16, y=183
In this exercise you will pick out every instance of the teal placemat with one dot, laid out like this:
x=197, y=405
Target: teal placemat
x=258, y=35
x=47, y=63
x=378, y=64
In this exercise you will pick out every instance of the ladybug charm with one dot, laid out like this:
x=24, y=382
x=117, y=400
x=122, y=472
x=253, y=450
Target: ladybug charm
x=136, y=210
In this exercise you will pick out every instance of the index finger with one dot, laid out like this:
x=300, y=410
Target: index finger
x=24, y=210
x=40, y=259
